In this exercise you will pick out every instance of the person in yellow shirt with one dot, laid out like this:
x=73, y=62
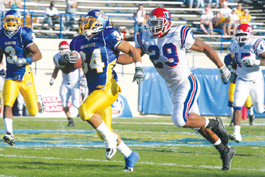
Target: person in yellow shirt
x=29, y=21
x=245, y=18
x=239, y=10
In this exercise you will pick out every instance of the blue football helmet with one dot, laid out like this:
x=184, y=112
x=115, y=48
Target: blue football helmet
x=12, y=20
x=94, y=22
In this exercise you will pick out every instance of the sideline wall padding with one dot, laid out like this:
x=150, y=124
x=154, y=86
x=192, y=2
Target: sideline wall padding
x=155, y=97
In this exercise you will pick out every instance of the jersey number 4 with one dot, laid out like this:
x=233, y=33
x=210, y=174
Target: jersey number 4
x=95, y=62
x=169, y=51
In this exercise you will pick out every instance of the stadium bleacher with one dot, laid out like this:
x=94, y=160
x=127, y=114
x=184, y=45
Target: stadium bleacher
x=121, y=14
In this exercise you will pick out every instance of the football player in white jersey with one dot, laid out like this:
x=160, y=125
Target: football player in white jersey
x=249, y=54
x=70, y=84
x=166, y=48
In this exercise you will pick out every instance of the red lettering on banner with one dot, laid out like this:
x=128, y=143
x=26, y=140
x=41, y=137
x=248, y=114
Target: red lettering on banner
x=54, y=104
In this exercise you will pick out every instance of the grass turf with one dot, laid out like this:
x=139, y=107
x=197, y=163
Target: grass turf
x=46, y=147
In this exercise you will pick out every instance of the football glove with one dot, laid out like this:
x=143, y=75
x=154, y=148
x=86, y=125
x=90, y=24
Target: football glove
x=52, y=81
x=22, y=61
x=69, y=58
x=248, y=61
x=225, y=74
x=138, y=75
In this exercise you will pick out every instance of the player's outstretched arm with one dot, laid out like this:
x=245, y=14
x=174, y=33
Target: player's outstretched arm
x=54, y=75
x=201, y=46
x=132, y=55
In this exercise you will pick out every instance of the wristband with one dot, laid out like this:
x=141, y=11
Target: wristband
x=29, y=60
x=138, y=64
x=221, y=68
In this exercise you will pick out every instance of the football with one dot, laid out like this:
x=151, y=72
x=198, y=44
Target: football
x=78, y=63
x=67, y=68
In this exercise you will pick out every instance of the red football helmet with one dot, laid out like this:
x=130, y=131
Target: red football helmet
x=159, y=22
x=63, y=47
x=244, y=33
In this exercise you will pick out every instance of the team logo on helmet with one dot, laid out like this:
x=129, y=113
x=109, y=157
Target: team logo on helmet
x=12, y=20
x=159, y=22
x=94, y=22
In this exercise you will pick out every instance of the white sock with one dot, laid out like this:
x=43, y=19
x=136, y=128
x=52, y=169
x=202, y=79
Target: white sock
x=217, y=142
x=250, y=111
x=103, y=129
x=8, y=122
x=237, y=129
x=207, y=122
x=124, y=149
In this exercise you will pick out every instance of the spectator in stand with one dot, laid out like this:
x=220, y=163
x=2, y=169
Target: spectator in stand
x=199, y=3
x=225, y=20
x=234, y=22
x=140, y=17
x=208, y=5
x=29, y=21
x=13, y=4
x=216, y=21
x=245, y=18
x=239, y=10
x=51, y=16
x=211, y=1
x=70, y=12
x=206, y=21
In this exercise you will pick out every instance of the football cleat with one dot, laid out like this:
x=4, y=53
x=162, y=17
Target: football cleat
x=42, y=107
x=130, y=161
x=220, y=131
x=70, y=122
x=235, y=137
x=227, y=159
x=9, y=139
x=111, y=145
x=251, y=119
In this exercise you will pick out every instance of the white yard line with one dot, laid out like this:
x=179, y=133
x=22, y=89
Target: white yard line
x=116, y=161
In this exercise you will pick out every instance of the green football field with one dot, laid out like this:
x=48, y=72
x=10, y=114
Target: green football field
x=47, y=147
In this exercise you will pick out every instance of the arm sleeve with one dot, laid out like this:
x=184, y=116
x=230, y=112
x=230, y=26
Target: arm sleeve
x=259, y=46
x=187, y=38
x=28, y=36
x=113, y=38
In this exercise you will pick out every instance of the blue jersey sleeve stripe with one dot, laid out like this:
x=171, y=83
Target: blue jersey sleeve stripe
x=117, y=45
x=183, y=35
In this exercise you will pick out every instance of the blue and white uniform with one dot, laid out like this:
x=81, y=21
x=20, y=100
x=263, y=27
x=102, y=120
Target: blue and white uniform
x=249, y=78
x=168, y=54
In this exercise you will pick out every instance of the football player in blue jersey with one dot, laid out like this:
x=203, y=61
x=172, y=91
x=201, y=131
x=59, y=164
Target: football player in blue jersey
x=99, y=45
x=17, y=43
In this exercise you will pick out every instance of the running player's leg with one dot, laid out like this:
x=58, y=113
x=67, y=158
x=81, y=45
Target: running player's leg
x=10, y=93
